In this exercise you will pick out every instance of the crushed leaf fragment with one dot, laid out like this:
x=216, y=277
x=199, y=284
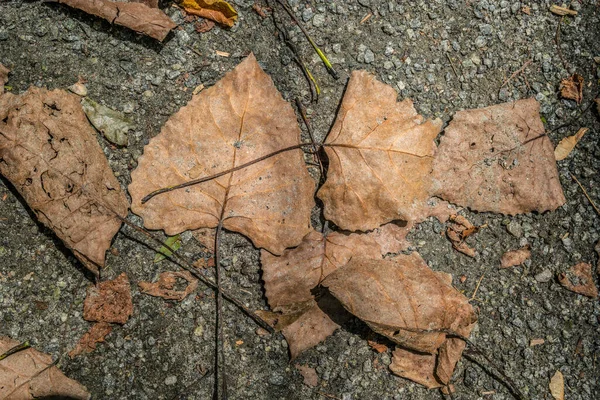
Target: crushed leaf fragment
x=163, y=287
x=3, y=77
x=557, y=386
x=378, y=347
x=536, y=342
x=515, y=257
x=219, y=11
x=114, y=125
x=558, y=10
x=109, y=301
x=309, y=374
x=88, y=341
x=565, y=146
x=572, y=88
x=458, y=231
x=579, y=279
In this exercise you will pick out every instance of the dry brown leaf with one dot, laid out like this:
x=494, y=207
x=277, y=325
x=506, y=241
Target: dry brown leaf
x=309, y=374
x=290, y=278
x=416, y=367
x=149, y=3
x=380, y=153
x=459, y=230
x=87, y=343
x=3, y=77
x=240, y=118
x=217, y=10
x=165, y=284
x=579, y=279
x=536, y=342
x=51, y=156
x=386, y=294
x=135, y=16
x=498, y=159
x=558, y=10
x=30, y=374
x=391, y=237
x=557, y=386
x=378, y=347
x=565, y=146
x=203, y=26
x=572, y=88
x=206, y=237
x=515, y=257
x=109, y=301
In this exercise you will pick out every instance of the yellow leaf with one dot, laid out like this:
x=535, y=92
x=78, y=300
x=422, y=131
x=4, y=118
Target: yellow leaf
x=567, y=145
x=557, y=386
x=216, y=10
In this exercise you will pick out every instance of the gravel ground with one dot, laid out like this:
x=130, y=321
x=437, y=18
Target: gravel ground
x=446, y=56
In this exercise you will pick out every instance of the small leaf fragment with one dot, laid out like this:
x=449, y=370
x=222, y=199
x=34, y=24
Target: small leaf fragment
x=579, y=279
x=565, y=146
x=109, y=301
x=558, y=10
x=557, y=386
x=216, y=10
x=515, y=257
x=572, y=88
x=114, y=125
x=309, y=374
x=3, y=77
x=88, y=341
x=30, y=374
x=458, y=231
x=172, y=242
x=164, y=286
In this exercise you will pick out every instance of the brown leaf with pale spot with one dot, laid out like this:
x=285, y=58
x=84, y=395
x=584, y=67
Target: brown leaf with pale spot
x=88, y=341
x=515, y=257
x=579, y=279
x=572, y=88
x=109, y=301
x=240, y=118
x=498, y=159
x=30, y=374
x=415, y=307
x=380, y=154
x=50, y=154
x=164, y=286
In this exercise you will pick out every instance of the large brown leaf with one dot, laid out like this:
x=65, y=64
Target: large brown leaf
x=136, y=16
x=498, y=159
x=29, y=374
x=380, y=153
x=401, y=298
x=239, y=119
x=49, y=152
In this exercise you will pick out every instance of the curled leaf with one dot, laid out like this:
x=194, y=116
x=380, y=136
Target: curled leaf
x=31, y=374
x=458, y=230
x=241, y=117
x=50, y=154
x=88, y=341
x=565, y=146
x=515, y=257
x=572, y=88
x=164, y=287
x=135, y=16
x=109, y=301
x=380, y=153
x=216, y=10
x=579, y=279
x=416, y=367
x=498, y=159
x=114, y=125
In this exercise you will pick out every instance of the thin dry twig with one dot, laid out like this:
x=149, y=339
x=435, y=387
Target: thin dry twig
x=477, y=287
x=517, y=72
x=452, y=65
x=586, y=194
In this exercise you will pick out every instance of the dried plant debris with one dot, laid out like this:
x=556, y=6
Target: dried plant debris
x=206, y=237
x=515, y=257
x=219, y=11
x=558, y=10
x=164, y=286
x=309, y=375
x=557, y=386
x=30, y=374
x=93, y=336
x=51, y=156
x=458, y=231
x=572, y=88
x=173, y=243
x=135, y=16
x=498, y=159
x=579, y=279
x=114, y=125
x=386, y=295
x=565, y=146
x=380, y=153
x=3, y=77
x=109, y=301
x=240, y=118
